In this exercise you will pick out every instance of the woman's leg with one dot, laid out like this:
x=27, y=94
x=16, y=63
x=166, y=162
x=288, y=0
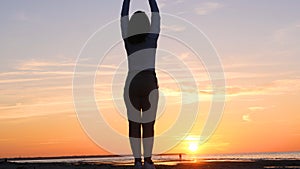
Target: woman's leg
x=132, y=103
x=148, y=140
x=148, y=117
x=135, y=140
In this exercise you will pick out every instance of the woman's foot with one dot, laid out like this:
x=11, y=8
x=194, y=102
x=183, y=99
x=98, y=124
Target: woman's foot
x=149, y=165
x=138, y=165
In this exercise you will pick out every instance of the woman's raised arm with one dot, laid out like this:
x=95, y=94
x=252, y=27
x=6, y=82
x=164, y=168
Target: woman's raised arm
x=155, y=19
x=125, y=17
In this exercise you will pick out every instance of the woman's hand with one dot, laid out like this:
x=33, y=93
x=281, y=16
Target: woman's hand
x=125, y=8
x=153, y=6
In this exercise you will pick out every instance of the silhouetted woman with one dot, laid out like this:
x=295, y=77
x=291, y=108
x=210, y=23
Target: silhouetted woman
x=141, y=88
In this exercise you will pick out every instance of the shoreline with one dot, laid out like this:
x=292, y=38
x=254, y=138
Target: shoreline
x=255, y=164
x=246, y=155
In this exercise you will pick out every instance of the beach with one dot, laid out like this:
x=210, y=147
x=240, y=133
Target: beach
x=258, y=164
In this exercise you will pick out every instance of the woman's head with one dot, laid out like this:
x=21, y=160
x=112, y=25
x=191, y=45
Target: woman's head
x=138, y=28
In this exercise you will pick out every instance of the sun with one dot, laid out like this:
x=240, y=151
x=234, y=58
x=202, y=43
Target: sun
x=193, y=147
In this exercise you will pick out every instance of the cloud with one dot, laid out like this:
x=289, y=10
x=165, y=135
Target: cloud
x=35, y=86
x=20, y=80
x=163, y=3
x=253, y=109
x=34, y=77
x=39, y=65
x=256, y=108
x=33, y=71
x=277, y=87
x=246, y=118
x=173, y=28
x=207, y=8
x=27, y=111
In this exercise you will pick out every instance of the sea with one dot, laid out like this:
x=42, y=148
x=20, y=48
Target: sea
x=166, y=159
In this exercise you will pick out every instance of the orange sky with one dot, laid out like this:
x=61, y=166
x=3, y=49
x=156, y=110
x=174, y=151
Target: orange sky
x=42, y=121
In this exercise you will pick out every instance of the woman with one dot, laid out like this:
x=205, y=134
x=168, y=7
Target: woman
x=141, y=88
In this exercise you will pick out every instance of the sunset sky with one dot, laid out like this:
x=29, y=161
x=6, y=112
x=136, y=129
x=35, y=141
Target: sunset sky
x=257, y=41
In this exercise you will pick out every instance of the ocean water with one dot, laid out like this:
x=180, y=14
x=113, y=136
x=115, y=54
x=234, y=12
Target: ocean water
x=172, y=159
x=255, y=156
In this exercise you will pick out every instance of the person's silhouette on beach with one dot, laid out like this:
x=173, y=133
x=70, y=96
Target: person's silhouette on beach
x=141, y=87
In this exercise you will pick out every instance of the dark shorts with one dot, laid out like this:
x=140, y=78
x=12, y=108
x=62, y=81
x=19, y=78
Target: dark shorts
x=140, y=87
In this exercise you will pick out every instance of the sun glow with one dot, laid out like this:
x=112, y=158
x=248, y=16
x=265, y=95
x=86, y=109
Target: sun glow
x=193, y=147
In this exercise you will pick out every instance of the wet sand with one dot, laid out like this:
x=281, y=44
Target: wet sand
x=258, y=164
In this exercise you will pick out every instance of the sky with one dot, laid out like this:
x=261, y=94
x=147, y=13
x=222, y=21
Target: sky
x=257, y=42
